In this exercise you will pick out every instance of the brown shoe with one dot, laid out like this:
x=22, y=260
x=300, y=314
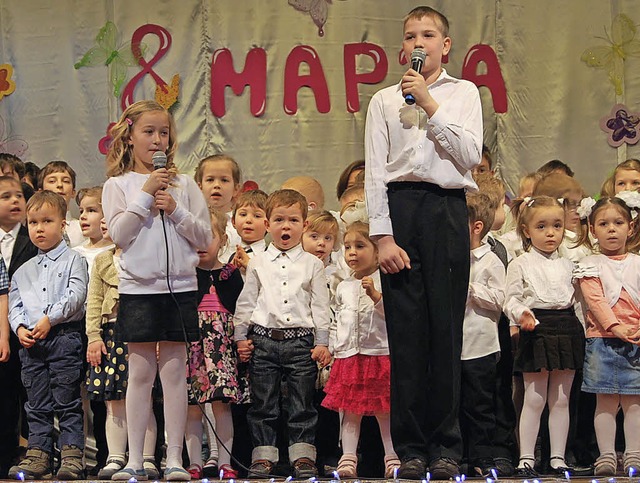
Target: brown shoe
x=72, y=467
x=304, y=468
x=35, y=466
x=260, y=469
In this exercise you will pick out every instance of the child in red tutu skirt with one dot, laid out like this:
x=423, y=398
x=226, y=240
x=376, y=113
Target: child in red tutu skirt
x=359, y=383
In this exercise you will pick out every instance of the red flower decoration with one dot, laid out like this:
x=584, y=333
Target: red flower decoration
x=249, y=185
x=105, y=143
x=7, y=86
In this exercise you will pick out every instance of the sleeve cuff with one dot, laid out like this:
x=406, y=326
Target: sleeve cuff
x=380, y=226
x=322, y=337
x=240, y=332
x=179, y=214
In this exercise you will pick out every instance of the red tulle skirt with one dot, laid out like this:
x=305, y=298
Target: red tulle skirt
x=359, y=384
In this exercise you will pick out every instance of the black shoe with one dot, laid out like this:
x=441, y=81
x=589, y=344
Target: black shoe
x=526, y=471
x=412, y=469
x=444, y=469
x=485, y=467
x=562, y=470
x=504, y=466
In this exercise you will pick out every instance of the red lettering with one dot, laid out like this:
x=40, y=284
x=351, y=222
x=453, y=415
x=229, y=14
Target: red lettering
x=315, y=80
x=254, y=75
x=352, y=78
x=493, y=79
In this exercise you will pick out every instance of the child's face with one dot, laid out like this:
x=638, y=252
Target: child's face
x=318, y=243
x=361, y=255
x=546, y=228
x=218, y=186
x=46, y=226
x=150, y=133
x=483, y=167
x=12, y=205
x=209, y=257
x=627, y=180
x=612, y=230
x=286, y=225
x=426, y=33
x=571, y=218
x=251, y=223
x=90, y=218
x=499, y=218
x=60, y=182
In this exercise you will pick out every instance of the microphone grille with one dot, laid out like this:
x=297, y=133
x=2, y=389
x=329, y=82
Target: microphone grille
x=159, y=160
x=418, y=54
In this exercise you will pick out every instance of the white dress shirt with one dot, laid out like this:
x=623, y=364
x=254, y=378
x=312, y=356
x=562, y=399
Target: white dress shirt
x=7, y=242
x=538, y=281
x=73, y=231
x=284, y=290
x=403, y=144
x=484, y=304
x=233, y=239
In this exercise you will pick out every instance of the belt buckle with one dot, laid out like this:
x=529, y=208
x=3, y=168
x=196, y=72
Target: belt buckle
x=277, y=334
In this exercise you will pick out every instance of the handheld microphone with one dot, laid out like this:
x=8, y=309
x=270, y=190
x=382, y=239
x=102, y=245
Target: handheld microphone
x=159, y=160
x=417, y=61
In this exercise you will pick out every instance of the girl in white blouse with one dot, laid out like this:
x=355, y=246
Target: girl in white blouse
x=360, y=381
x=539, y=299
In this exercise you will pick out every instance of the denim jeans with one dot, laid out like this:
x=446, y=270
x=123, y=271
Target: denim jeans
x=271, y=361
x=52, y=374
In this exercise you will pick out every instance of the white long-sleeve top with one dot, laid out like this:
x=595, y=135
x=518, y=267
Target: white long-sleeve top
x=284, y=289
x=359, y=326
x=136, y=226
x=484, y=304
x=538, y=281
x=403, y=144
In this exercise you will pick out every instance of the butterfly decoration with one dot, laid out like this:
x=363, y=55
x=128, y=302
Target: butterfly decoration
x=105, y=142
x=170, y=97
x=621, y=45
x=318, y=9
x=11, y=144
x=106, y=52
x=7, y=85
x=621, y=125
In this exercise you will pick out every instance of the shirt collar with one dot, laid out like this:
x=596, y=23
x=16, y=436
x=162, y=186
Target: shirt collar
x=481, y=251
x=13, y=232
x=53, y=254
x=552, y=256
x=293, y=253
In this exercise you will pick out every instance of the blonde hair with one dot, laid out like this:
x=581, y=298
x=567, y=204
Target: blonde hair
x=286, y=198
x=255, y=199
x=46, y=197
x=94, y=192
x=308, y=187
x=526, y=208
x=423, y=11
x=533, y=177
x=609, y=186
x=120, y=156
x=236, y=174
x=492, y=187
x=324, y=222
x=481, y=208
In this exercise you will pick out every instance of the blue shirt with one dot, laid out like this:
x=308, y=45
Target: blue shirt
x=52, y=283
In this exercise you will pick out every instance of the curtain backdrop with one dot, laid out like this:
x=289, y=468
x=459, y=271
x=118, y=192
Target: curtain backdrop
x=554, y=100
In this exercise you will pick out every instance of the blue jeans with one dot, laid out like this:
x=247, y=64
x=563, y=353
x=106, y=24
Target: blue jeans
x=51, y=374
x=271, y=361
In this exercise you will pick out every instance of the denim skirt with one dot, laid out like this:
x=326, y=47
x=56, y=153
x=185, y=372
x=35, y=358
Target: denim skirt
x=611, y=366
x=158, y=317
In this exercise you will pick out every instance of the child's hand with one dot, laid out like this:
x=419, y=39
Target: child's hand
x=634, y=336
x=413, y=83
x=245, y=348
x=367, y=285
x=5, y=349
x=25, y=337
x=158, y=180
x=527, y=322
x=95, y=351
x=621, y=333
x=42, y=328
x=321, y=355
x=164, y=201
x=241, y=259
x=392, y=258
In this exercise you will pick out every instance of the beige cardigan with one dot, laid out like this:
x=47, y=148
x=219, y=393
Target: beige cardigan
x=103, y=294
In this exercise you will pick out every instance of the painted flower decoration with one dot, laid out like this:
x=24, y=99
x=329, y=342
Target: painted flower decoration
x=105, y=143
x=317, y=9
x=11, y=144
x=585, y=207
x=621, y=125
x=7, y=85
x=621, y=45
x=167, y=96
x=632, y=200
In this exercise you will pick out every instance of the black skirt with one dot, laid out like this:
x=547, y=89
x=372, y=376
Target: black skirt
x=557, y=342
x=157, y=317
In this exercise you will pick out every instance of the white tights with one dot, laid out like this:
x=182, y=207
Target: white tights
x=170, y=361
x=605, y=422
x=351, y=433
x=543, y=387
x=116, y=430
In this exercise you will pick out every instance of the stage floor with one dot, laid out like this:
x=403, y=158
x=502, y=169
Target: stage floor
x=620, y=479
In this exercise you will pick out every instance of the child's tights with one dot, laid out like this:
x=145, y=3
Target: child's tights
x=351, y=433
x=605, y=422
x=552, y=387
x=223, y=424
